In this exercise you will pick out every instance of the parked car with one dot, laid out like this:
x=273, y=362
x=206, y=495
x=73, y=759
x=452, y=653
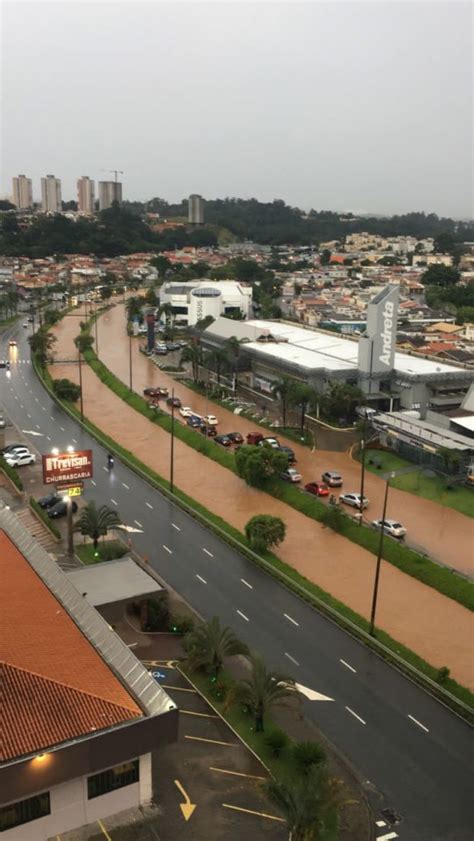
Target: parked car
x=210, y=431
x=161, y=351
x=391, y=527
x=291, y=475
x=186, y=412
x=49, y=500
x=2, y=422
x=12, y=342
x=211, y=420
x=60, y=509
x=270, y=442
x=25, y=324
x=334, y=480
x=20, y=459
x=317, y=488
x=195, y=421
x=288, y=452
x=254, y=438
x=10, y=447
x=174, y=401
x=354, y=500
x=30, y=319
x=223, y=440
x=173, y=345
x=152, y=391
x=236, y=437
x=4, y=364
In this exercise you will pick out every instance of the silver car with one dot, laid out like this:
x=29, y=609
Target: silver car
x=391, y=527
x=354, y=500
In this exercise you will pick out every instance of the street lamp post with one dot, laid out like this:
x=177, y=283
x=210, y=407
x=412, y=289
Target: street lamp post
x=96, y=329
x=379, y=560
x=130, y=359
x=172, y=444
x=362, y=472
x=80, y=387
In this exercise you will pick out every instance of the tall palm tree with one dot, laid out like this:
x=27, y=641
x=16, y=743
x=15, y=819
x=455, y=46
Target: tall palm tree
x=305, y=801
x=262, y=690
x=282, y=390
x=209, y=644
x=169, y=314
x=193, y=354
x=302, y=395
x=218, y=360
x=95, y=522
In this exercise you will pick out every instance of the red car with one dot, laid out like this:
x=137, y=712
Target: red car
x=235, y=437
x=317, y=488
x=156, y=392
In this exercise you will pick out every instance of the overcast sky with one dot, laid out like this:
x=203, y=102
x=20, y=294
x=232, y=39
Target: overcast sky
x=362, y=106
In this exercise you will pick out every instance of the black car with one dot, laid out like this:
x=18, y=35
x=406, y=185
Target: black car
x=4, y=364
x=174, y=401
x=11, y=447
x=288, y=452
x=60, y=509
x=236, y=437
x=210, y=431
x=223, y=440
x=49, y=500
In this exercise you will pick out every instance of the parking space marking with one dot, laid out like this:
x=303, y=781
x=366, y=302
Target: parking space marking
x=252, y=812
x=104, y=830
x=213, y=741
x=348, y=666
x=246, y=583
x=418, y=723
x=207, y=552
x=201, y=578
x=355, y=715
x=179, y=688
x=291, y=620
x=176, y=527
x=291, y=658
x=243, y=616
x=237, y=774
x=201, y=715
x=167, y=549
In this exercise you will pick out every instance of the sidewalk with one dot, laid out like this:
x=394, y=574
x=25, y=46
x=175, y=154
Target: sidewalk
x=435, y=627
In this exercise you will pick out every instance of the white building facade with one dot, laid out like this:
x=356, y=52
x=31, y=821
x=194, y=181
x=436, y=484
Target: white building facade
x=196, y=300
x=22, y=192
x=85, y=195
x=51, y=194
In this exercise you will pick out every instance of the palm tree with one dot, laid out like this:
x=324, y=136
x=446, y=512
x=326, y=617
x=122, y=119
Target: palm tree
x=282, y=390
x=193, y=354
x=301, y=395
x=95, y=522
x=169, y=314
x=305, y=801
x=41, y=344
x=209, y=644
x=263, y=690
x=218, y=360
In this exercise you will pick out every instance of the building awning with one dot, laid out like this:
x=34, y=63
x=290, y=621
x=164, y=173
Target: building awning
x=113, y=581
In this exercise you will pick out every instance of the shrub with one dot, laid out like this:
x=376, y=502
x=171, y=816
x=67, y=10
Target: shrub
x=66, y=390
x=157, y=613
x=443, y=675
x=276, y=740
x=334, y=518
x=263, y=531
x=181, y=624
x=44, y=517
x=307, y=754
x=11, y=473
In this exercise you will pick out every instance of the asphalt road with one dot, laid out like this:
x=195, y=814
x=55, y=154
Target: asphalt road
x=413, y=754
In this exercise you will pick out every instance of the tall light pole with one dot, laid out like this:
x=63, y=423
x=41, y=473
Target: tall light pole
x=130, y=359
x=362, y=471
x=80, y=385
x=379, y=560
x=172, y=444
x=96, y=329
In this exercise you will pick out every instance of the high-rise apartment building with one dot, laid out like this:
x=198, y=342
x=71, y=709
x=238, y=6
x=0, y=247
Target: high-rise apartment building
x=85, y=194
x=22, y=192
x=109, y=191
x=196, y=210
x=51, y=194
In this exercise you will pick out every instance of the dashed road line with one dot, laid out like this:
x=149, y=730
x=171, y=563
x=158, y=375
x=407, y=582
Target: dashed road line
x=252, y=812
x=125, y=486
x=73, y=440
x=201, y=578
x=243, y=616
x=176, y=527
x=167, y=549
x=138, y=524
x=148, y=505
x=51, y=417
x=113, y=501
x=348, y=666
x=291, y=620
x=387, y=837
x=355, y=715
x=207, y=552
x=246, y=583
x=48, y=438
x=291, y=658
x=94, y=483
x=61, y=427
x=418, y=723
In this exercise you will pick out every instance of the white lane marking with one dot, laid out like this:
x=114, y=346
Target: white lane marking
x=73, y=440
x=138, y=524
x=387, y=837
x=291, y=658
x=380, y=823
x=29, y=416
x=176, y=527
x=93, y=482
x=291, y=620
x=243, y=615
x=207, y=552
x=355, y=715
x=21, y=406
x=246, y=583
x=125, y=486
x=38, y=426
x=51, y=417
x=43, y=408
x=49, y=439
x=148, y=505
x=168, y=550
x=348, y=666
x=36, y=399
x=105, y=468
x=16, y=398
x=201, y=578
x=61, y=428
x=418, y=723
x=113, y=501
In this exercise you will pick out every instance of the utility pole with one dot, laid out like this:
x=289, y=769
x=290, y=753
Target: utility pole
x=80, y=386
x=172, y=444
x=70, y=539
x=379, y=560
x=362, y=472
x=130, y=359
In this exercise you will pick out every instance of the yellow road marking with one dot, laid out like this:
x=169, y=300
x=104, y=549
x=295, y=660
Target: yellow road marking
x=237, y=773
x=212, y=741
x=251, y=812
x=104, y=830
x=187, y=808
x=179, y=688
x=201, y=715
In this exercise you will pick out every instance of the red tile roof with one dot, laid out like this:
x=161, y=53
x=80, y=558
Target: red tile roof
x=50, y=666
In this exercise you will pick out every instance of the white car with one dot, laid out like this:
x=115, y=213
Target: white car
x=391, y=527
x=354, y=500
x=186, y=412
x=19, y=459
x=270, y=442
x=211, y=420
x=25, y=324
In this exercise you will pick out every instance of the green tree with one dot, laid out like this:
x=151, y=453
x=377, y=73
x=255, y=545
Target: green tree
x=209, y=644
x=264, y=530
x=161, y=264
x=308, y=754
x=262, y=691
x=106, y=293
x=439, y=275
x=444, y=243
x=83, y=342
x=150, y=298
x=452, y=459
x=192, y=353
x=258, y=464
x=133, y=307
x=282, y=390
x=95, y=522
x=302, y=395
x=325, y=257
x=306, y=801
x=67, y=390
x=218, y=361
x=41, y=344
x=204, y=323
x=341, y=400
x=169, y=314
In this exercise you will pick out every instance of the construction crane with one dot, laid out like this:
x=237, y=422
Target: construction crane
x=115, y=171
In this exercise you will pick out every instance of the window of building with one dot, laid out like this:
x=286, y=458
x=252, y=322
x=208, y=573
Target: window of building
x=113, y=778
x=24, y=811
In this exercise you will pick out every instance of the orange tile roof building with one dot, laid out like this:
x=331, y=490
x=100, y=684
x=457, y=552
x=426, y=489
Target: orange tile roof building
x=80, y=713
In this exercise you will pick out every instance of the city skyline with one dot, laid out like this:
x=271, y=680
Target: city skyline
x=332, y=106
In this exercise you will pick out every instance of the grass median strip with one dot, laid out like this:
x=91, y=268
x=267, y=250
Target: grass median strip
x=418, y=669
x=444, y=580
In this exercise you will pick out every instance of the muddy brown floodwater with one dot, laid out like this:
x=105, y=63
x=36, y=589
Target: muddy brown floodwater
x=437, y=628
